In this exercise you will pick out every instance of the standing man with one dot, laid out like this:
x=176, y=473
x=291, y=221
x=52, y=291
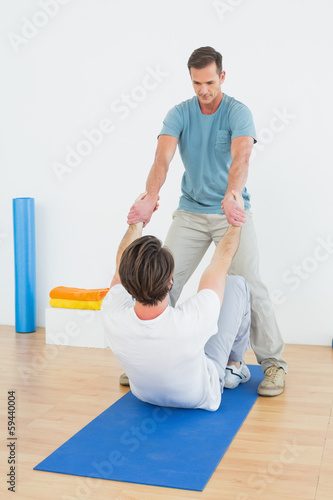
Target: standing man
x=215, y=135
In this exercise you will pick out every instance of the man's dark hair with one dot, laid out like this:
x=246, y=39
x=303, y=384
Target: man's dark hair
x=204, y=56
x=145, y=270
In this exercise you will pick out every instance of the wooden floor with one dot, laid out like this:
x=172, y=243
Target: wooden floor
x=283, y=451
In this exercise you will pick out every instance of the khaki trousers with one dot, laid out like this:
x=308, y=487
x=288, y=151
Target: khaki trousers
x=189, y=237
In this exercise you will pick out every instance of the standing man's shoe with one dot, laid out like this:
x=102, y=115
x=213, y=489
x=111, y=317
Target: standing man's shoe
x=273, y=383
x=123, y=379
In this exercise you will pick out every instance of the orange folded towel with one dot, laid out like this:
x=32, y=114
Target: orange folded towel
x=69, y=293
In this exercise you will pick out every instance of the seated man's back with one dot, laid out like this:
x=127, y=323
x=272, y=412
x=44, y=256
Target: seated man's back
x=176, y=356
x=164, y=357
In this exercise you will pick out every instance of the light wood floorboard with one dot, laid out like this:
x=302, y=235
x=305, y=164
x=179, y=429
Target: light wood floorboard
x=283, y=451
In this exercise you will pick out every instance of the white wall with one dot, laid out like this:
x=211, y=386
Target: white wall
x=62, y=78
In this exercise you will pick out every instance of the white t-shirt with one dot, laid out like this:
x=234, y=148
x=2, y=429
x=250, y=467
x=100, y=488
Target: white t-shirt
x=164, y=357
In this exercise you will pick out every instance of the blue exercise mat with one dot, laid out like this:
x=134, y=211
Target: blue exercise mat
x=137, y=442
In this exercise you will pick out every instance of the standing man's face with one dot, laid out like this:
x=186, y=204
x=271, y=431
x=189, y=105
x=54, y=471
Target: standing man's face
x=207, y=83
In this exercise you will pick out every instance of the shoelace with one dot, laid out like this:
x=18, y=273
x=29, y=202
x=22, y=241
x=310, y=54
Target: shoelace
x=271, y=373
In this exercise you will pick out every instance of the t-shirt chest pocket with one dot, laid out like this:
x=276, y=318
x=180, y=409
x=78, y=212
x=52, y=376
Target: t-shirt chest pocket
x=223, y=141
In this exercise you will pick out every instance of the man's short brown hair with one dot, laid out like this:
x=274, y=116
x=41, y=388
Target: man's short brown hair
x=204, y=56
x=145, y=270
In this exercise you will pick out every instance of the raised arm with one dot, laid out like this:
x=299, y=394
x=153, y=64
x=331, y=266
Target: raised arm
x=241, y=148
x=133, y=232
x=142, y=210
x=214, y=277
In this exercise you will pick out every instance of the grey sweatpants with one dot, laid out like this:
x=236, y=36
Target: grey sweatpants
x=232, y=338
x=189, y=237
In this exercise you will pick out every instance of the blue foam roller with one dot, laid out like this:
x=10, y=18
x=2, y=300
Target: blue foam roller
x=25, y=264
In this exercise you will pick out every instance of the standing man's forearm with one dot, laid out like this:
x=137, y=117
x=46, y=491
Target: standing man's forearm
x=158, y=173
x=156, y=178
x=238, y=174
x=241, y=148
x=142, y=210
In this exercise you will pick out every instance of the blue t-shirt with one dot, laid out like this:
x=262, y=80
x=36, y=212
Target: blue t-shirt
x=204, y=143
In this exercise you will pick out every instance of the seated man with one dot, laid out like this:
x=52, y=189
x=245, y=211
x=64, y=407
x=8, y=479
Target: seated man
x=177, y=356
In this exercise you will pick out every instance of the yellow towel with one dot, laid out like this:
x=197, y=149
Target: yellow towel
x=70, y=293
x=76, y=304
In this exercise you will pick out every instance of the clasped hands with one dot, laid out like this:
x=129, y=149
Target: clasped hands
x=233, y=207
x=142, y=209
x=145, y=205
